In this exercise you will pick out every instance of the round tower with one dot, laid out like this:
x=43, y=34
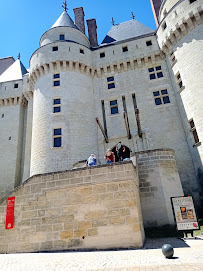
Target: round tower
x=64, y=126
x=180, y=37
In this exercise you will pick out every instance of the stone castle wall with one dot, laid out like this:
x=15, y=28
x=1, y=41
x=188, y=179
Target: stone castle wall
x=159, y=181
x=10, y=155
x=88, y=208
x=183, y=37
x=93, y=208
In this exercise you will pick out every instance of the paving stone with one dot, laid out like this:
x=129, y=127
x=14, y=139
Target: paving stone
x=188, y=256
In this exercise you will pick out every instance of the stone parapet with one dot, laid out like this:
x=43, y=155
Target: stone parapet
x=91, y=208
x=159, y=181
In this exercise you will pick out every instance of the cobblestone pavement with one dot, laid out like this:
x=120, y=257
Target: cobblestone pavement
x=188, y=256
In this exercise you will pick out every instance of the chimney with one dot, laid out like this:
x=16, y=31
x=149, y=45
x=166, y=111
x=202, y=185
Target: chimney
x=92, y=32
x=156, y=4
x=79, y=18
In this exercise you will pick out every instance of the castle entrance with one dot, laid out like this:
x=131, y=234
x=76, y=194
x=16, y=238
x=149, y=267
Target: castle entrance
x=126, y=154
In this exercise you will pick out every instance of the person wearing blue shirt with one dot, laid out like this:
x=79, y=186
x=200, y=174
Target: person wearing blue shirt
x=92, y=160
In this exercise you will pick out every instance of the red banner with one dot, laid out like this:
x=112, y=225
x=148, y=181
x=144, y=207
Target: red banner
x=10, y=213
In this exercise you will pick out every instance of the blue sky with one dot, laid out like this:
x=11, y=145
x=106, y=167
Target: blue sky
x=23, y=22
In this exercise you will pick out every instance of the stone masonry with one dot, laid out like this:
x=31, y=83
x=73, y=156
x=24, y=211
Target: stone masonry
x=159, y=181
x=93, y=208
x=80, y=209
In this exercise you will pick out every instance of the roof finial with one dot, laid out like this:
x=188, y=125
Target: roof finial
x=113, y=22
x=65, y=6
x=133, y=17
x=19, y=56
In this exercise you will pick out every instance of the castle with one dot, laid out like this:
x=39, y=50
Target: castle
x=139, y=86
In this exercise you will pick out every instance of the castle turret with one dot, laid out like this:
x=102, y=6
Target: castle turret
x=64, y=126
x=180, y=36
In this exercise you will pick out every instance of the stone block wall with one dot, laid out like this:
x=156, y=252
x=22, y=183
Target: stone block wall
x=91, y=208
x=159, y=181
x=10, y=121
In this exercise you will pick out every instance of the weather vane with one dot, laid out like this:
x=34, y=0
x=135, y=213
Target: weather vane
x=65, y=6
x=113, y=22
x=132, y=15
x=19, y=56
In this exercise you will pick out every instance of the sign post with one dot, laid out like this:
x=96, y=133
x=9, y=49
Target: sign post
x=10, y=213
x=185, y=214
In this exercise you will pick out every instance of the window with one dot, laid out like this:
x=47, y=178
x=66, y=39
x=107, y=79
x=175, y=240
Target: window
x=56, y=81
x=114, y=107
x=193, y=130
x=173, y=59
x=180, y=84
x=161, y=97
x=57, y=105
x=57, y=138
x=125, y=49
x=102, y=55
x=155, y=72
x=62, y=37
x=2, y=115
x=164, y=26
x=15, y=85
x=110, y=82
x=179, y=80
x=149, y=43
x=9, y=138
x=82, y=51
x=55, y=48
x=57, y=75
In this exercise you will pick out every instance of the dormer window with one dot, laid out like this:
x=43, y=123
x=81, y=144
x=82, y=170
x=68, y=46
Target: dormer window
x=62, y=37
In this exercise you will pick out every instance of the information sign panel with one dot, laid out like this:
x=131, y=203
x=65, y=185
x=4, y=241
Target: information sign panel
x=184, y=213
x=10, y=213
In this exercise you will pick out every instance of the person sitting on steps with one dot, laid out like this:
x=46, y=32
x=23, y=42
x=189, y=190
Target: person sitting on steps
x=91, y=161
x=109, y=156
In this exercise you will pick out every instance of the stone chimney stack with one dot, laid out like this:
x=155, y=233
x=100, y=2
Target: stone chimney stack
x=79, y=18
x=156, y=4
x=92, y=32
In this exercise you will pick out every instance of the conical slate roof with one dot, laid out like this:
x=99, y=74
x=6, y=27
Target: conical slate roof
x=65, y=20
x=14, y=72
x=126, y=30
